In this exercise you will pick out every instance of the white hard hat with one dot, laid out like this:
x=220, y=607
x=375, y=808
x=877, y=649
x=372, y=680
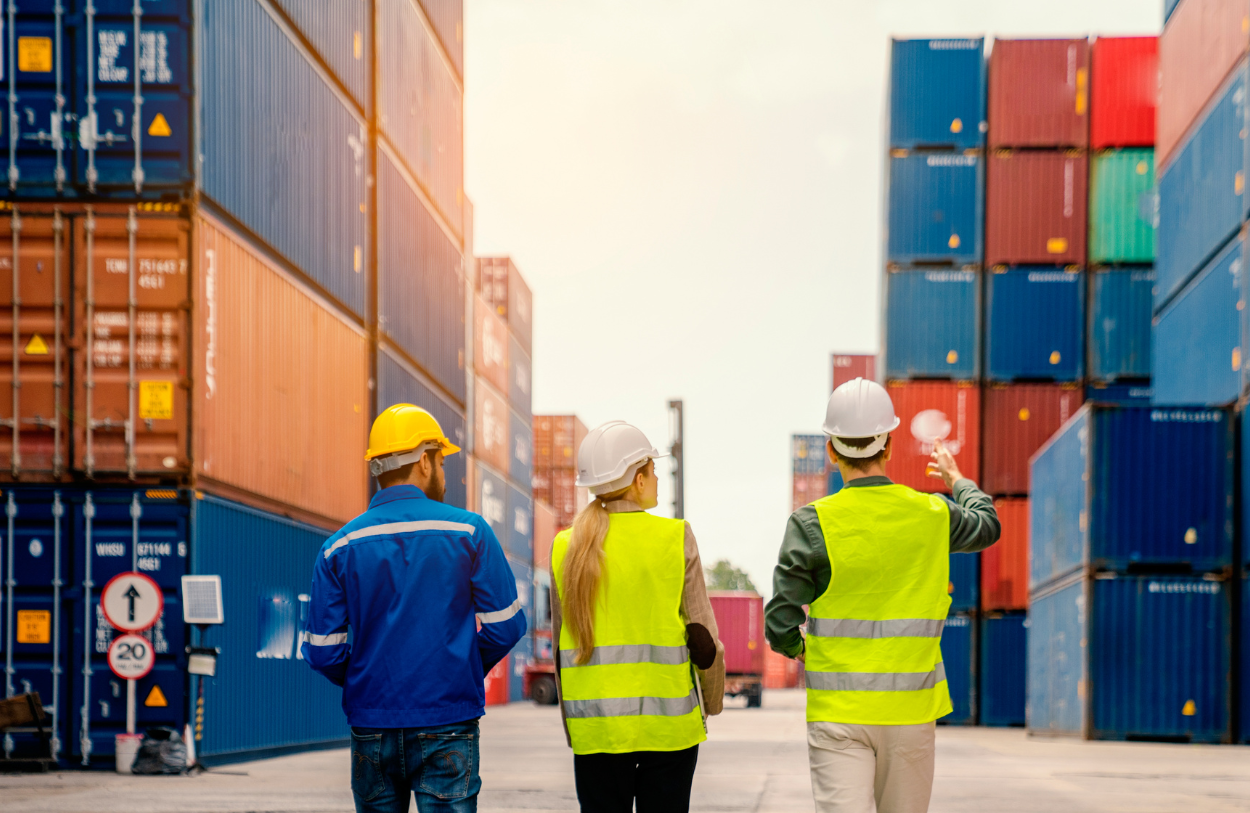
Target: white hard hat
x=611, y=455
x=860, y=409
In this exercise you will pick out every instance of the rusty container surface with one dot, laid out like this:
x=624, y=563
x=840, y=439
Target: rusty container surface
x=490, y=345
x=490, y=425
x=1036, y=207
x=1039, y=93
x=928, y=410
x=40, y=368
x=130, y=369
x=281, y=383
x=1005, y=565
x=556, y=441
x=1202, y=43
x=1019, y=418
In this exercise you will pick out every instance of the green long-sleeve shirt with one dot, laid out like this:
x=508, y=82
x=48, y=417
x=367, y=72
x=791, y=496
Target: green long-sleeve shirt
x=803, y=571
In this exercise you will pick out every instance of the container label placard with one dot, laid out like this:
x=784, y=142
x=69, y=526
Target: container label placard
x=34, y=627
x=156, y=400
x=34, y=54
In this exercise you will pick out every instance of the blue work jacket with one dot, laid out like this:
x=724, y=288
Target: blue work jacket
x=411, y=578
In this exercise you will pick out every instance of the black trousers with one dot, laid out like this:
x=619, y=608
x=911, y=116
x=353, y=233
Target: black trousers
x=659, y=781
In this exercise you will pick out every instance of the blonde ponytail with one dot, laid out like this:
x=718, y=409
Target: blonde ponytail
x=583, y=570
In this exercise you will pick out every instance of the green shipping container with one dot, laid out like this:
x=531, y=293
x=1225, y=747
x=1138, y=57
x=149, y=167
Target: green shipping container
x=1122, y=207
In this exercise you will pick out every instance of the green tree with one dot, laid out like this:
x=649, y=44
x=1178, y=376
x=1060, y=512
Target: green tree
x=724, y=576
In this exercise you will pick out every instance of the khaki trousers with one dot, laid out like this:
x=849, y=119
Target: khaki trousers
x=871, y=768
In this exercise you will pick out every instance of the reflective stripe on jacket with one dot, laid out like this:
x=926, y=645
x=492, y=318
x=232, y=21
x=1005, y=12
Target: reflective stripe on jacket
x=873, y=638
x=636, y=692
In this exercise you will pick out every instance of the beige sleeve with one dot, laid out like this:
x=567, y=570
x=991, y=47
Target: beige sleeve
x=697, y=609
x=555, y=652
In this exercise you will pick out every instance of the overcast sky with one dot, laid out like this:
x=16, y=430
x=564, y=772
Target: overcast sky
x=692, y=189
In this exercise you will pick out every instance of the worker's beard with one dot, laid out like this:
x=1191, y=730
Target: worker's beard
x=436, y=489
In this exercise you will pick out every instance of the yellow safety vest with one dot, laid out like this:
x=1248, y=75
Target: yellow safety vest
x=636, y=693
x=873, y=638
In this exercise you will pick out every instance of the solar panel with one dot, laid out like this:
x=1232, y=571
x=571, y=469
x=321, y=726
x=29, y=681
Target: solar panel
x=201, y=600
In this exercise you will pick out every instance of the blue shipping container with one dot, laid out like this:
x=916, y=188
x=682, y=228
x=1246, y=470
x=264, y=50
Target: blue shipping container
x=937, y=93
x=834, y=480
x=1169, y=6
x=1119, y=323
x=920, y=345
x=1196, y=341
x=1004, y=649
x=1136, y=393
x=518, y=540
x=959, y=660
x=1093, y=504
x=420, y=280
x=286, y=156
x=342, y=35
x=521, y=440
x=808, y=454
x=965, y=581
x=1244, y=687
x=1035, y=324
x=519, y=660
x=1131, y=657
x=74, y=132
x=492, y=500
x=400, y=384
x=520, y=379
x=1201, y=196
x=936, y=208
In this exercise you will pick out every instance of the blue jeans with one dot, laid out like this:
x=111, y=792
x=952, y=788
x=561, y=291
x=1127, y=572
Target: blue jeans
x=439, y=764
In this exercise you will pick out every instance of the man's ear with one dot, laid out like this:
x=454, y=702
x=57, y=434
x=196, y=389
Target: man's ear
x=889, y=447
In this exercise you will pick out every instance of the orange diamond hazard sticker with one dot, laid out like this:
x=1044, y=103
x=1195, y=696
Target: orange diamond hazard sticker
x=159, y=126
x=156, y=698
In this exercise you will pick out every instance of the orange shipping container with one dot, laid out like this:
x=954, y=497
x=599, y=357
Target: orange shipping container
x=490, y=345
x=556, y=441
x=1005, y=565
x=780, y=672
x=544, y=533
x=281, y=383
x=490, y=425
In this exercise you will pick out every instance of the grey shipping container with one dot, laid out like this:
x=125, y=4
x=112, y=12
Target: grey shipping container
x=399, y=383
x=341, y=33
x=421, y=107
x=285, y=157
x=420, y=280
x=1131, y=658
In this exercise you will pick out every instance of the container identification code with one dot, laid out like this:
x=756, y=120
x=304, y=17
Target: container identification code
x=1204, y=588
x=1051, y=276
x=953, y=45
x=1185, y=416
x=951, y=161
x=949, y=276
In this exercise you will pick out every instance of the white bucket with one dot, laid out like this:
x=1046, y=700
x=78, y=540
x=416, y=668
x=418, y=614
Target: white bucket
x=126, y=748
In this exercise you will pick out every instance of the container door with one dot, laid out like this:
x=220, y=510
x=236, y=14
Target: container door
x=33, y=350
x=38, y=151
x=131, y=372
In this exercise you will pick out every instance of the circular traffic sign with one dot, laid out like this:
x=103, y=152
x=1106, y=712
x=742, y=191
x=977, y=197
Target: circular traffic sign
x=131, y=656
x=131, y=602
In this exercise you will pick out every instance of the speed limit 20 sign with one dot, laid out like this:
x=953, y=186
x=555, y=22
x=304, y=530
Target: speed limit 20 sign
x=131, y=656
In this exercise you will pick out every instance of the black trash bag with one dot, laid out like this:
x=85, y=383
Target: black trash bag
x=162, y=751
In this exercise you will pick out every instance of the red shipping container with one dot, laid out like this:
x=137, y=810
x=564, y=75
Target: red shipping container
x=740, y=620
x=1019, y=418
x=505, y=290
x=780, y=672
x=849, y=368
x=557, y=487
x=496, y=684
x=1005, y=565
x=928, y=410
x=1035, y=203
x=490, y=426
x=1125, y=87
x=1039, y=93
x=1203, y=41
x=806, y=488
x=490, y=345
x=556, y=440
x=544, y=533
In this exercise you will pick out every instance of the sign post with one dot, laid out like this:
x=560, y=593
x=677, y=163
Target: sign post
x=131, y=602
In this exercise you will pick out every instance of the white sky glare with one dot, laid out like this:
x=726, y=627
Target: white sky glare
x=692, y=189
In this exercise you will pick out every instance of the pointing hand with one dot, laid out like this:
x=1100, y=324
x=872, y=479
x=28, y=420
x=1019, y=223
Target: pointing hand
x=942, y=465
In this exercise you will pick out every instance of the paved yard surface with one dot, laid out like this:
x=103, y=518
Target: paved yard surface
x=756, y=760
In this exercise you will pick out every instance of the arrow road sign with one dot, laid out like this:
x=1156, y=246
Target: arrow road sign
x=131, y=656
x=131, y=602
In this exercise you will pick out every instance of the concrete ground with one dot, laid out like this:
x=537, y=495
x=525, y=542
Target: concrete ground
x=755, y=760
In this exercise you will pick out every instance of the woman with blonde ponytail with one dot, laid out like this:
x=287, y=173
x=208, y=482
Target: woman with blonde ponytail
x=639, y=666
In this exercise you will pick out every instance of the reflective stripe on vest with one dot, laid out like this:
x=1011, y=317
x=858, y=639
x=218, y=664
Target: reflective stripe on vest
x=635, y=693
x=874, y=636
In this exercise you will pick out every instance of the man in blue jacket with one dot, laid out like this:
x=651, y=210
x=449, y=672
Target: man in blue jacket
x=412, y=604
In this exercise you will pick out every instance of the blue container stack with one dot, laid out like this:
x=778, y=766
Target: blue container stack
x=278, y=128
x=934, y=254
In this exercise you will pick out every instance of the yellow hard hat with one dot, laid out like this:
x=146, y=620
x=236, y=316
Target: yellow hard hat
x=405, y=428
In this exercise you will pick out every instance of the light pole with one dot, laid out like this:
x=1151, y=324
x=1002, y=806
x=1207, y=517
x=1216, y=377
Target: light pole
x=675, y=424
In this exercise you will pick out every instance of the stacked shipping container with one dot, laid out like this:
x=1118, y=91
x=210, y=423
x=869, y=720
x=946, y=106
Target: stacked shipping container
x=224, y=304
